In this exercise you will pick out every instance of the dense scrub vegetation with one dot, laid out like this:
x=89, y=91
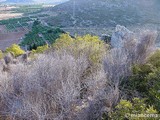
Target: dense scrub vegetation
x=83, y=78
x=145, y=80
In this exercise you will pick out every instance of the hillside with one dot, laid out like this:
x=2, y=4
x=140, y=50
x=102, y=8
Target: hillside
x=101, y=13
x=94, y=13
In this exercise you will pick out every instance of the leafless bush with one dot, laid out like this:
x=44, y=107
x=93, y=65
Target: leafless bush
x=51, y=87
x=1, y=65
x=145, y=46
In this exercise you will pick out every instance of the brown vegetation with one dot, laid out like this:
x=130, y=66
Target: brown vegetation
x=57, y=85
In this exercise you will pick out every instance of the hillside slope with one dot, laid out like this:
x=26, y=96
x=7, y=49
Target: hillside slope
x=101, y=13
x=94, y=13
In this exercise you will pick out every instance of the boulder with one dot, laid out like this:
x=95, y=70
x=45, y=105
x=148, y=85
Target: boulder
x=106, y=38
x=120, y=36
x=24, y=57
x=8, y=58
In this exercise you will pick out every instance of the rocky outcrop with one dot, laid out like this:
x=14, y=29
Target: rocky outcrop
x=8, y=58
x=120, y=36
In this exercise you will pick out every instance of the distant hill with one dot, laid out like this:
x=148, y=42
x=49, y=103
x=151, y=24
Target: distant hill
x=85, y=13
x=104, y=13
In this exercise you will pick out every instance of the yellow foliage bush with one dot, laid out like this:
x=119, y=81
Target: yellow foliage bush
x=15, y=49
x=64, y=41
x=89, y=45
x=40, y=49
x=1, y=54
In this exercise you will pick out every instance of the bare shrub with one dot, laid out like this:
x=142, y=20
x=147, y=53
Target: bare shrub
x=3, y=89
x=1, y=65
x=145, y=46
x=50, y=86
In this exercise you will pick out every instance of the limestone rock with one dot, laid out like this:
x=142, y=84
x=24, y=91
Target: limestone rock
x=8, y=58
x=120, y=36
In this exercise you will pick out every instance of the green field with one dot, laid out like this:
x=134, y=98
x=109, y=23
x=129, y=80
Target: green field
x=14, y=23
x=28, y=9
x=39, y=35
x=29, y=14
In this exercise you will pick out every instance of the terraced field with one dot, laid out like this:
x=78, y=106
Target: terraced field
x=9, y=38
x=40, y=35
x=16, y=21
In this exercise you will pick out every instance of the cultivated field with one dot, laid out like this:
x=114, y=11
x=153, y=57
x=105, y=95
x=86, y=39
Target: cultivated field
x=8, y=39
x=9, y=15
x=6, y=12
x=16, y=21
